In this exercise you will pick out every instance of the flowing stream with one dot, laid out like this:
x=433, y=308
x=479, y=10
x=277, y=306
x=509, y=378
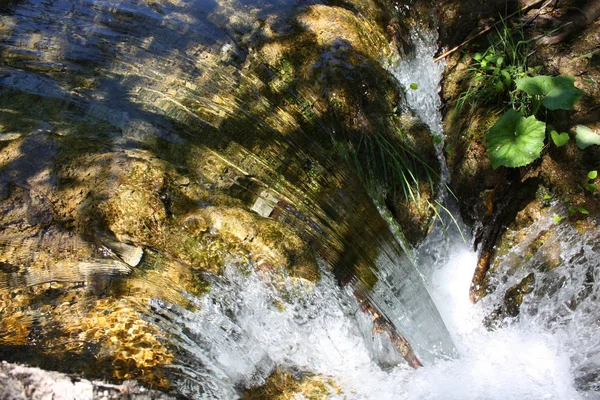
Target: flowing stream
x=255, y=321
x=251, y=323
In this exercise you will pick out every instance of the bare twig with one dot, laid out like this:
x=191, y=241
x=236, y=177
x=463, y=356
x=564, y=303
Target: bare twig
x=538, y=12
x=487, y=29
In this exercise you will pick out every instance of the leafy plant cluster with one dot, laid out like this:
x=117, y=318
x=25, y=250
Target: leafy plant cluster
x=517, y=139
x=588, y=186
x=501, y=72
x=492, y=73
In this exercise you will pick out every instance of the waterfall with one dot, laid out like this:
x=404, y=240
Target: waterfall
x=400, y=294
x=151, y=90
x=253, y=322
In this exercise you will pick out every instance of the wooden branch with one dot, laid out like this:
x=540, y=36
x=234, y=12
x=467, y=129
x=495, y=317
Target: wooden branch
x=487, y=29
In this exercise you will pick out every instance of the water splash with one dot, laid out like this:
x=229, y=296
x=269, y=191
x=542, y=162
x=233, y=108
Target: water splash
x=252, y=323
x=419, y=69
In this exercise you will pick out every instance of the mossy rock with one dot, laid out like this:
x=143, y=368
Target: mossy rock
x=513, y=298
x=282, y=385
x=176, y=172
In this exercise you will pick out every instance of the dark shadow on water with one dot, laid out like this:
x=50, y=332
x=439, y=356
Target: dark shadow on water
x=76, y=78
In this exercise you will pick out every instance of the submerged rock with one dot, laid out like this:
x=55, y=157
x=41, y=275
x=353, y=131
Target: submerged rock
x=282, y=385
x=136, y=157
x=23, y=383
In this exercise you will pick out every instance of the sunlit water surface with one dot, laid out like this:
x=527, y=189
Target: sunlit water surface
x=252, y=323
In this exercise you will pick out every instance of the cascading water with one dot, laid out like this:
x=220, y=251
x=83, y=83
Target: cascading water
x=253, y=322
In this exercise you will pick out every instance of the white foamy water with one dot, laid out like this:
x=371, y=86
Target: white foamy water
x=519, y=361
x=252, y=323
x=419, y=69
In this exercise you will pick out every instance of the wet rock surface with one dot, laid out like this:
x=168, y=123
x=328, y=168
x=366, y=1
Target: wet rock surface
x=20, y=383
x=137, y=137
x=503, y=204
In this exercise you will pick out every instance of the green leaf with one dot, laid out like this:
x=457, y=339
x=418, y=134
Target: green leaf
x=591, y=187
x=585, y=137
x=574, y=209
x=559, y=139
x=557, y=218
x=592, y=174
x=535, y=86
x=505, y=77
x=559, y=91
x=564, y=95
x=547, y=197
x=515, y=141
x=414, y=86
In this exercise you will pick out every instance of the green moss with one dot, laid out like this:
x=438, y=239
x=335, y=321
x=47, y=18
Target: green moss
x=282, y=385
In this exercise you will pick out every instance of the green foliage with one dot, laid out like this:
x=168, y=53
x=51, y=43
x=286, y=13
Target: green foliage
x=578, y=209
x=586, y=137
x=558, y=92
x=394, y=160
x=526, y=145
x=414, y=86
x=554, y=93
x=589, y=186
x=559, y=139
x=501, y=72
x=492, y=73
x=515, y=141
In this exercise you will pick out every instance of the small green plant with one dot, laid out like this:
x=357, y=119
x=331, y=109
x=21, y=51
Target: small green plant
x=553, y=92
x=589, y=185
x=559, y=139
x=492, y=73
x=516, y=140
x=578, y=209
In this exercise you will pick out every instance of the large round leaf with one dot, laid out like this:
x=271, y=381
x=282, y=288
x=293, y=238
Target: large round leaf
x=515, y=141
x=559, y=91
x=535, y=86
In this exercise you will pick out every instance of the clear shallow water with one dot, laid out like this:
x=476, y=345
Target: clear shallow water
x=145, y=82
